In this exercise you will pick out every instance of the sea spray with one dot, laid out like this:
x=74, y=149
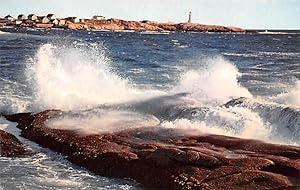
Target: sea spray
x=71, y=78
x=103, y=122
x=238, y=122
x=216, y=81
x=11, y=99
x=290, y=98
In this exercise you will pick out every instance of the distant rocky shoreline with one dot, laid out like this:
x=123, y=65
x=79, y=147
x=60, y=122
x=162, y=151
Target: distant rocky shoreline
x=112, y=24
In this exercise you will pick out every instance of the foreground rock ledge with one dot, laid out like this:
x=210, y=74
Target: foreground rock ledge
x=162, y=158
x=10, y=146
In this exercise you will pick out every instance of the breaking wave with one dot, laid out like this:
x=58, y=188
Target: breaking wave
x=80, y=79
x=218, y=80
x=75, y=77
x=291, y=98
x=70, y=78
x=284, y=120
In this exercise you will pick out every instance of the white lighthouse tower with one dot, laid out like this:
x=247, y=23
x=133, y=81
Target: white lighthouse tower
x=190, y=17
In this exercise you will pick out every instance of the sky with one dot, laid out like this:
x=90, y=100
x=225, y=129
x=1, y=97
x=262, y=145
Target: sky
x=250, y=14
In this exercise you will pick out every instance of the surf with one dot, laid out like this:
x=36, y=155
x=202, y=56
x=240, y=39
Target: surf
x=80, y=79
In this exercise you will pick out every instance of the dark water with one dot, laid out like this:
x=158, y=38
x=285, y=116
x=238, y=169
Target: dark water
x=143, y=75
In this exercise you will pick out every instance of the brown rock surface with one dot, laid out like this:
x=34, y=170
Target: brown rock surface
x=206, y=28
x=42, y=25
x=114, y=24
x=235, y=29
x=119, y=24
x=163, y=158
x=10, y=146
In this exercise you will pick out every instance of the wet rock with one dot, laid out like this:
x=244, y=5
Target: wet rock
x=163, y=158
x=10, y=146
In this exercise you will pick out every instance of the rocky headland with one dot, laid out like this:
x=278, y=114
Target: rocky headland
x=164, y=158
x=120, y=25
x=112, y=24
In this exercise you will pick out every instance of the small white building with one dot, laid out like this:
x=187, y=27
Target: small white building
x=17, y=22
x=96, y=17
x=32, y=17
x=55, y=22
x=8, y=18
x=22, y=17
x=43, y=19
x=62, y=22
x=73, y=19
x=51, y=17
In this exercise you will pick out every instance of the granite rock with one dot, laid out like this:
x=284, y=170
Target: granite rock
x=157, y=157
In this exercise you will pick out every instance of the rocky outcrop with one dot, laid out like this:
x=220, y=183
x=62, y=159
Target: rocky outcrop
x=235, y=29
x=114, y=24
x=118, y=24
x=10, y=146
x=201, y=28
x=164, y=158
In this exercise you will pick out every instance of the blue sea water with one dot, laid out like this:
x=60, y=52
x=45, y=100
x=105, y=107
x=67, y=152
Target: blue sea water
x=174, y=80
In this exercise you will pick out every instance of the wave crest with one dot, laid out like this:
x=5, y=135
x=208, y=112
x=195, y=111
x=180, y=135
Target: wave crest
x=217, y=81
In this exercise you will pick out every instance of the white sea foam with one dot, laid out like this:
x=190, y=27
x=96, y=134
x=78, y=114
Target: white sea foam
x=237, y=122
x=12, y=98
x=59, y=183
x=277, y=33
x=9, y=127
x=1, y=32
x=265, y=54
x=291, y=98
x=13, y=104
x=284, y=120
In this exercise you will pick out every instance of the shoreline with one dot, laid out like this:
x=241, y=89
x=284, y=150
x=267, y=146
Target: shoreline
x=249, y=31
x=119, y=25
x=6, y=28
x=165, y=159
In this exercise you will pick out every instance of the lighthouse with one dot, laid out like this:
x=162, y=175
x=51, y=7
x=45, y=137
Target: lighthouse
x=190, y=17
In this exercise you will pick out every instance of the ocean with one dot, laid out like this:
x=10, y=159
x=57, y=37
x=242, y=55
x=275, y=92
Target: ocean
x=244, y=85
